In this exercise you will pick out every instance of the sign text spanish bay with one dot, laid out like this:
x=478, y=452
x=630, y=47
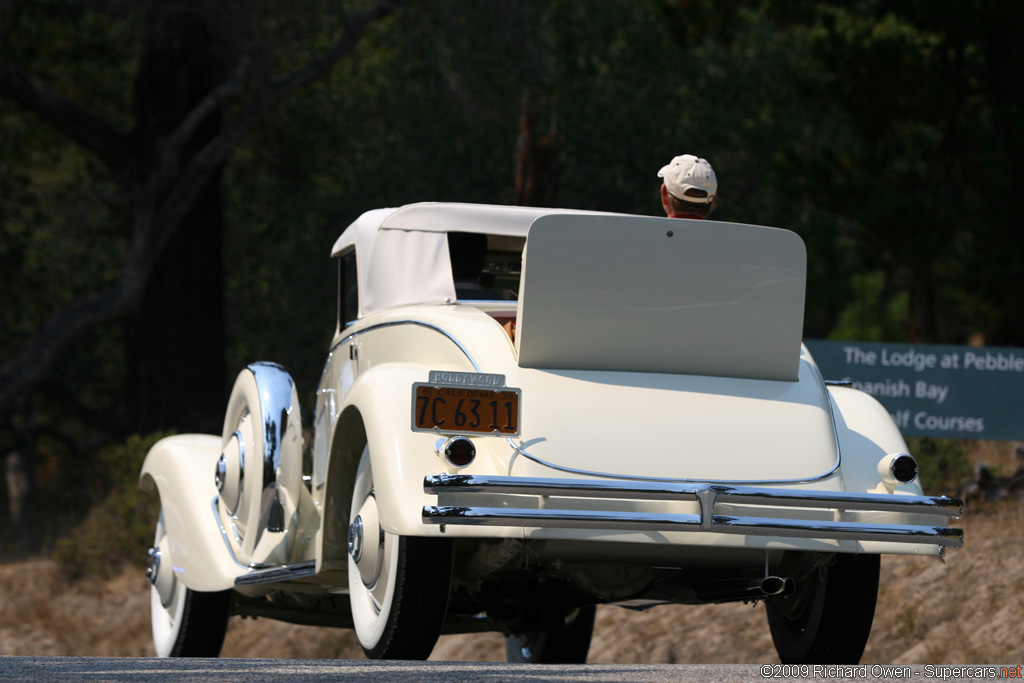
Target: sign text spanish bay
x=966, y=392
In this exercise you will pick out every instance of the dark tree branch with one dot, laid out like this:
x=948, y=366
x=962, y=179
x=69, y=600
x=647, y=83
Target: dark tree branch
x=156, y=213
x=207, y=106
x=168, y=163
x=106, y=142
x=30, y=366
x=354, y=27
x=191, y=180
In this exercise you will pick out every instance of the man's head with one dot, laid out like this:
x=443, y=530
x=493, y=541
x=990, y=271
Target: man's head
x=690, y=187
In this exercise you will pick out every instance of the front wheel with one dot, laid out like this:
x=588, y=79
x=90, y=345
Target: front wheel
x=827, y=618
x=567, y=645
x=186, y=623
x=398, y=585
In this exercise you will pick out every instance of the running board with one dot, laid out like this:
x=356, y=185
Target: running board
x=284, y=572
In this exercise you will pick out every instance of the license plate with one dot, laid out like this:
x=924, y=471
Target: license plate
x=465, y=410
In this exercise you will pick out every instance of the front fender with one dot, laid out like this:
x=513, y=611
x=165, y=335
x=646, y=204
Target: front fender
x=180, y=469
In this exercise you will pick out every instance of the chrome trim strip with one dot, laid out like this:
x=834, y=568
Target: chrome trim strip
x=224, y=534
x=576, y=488
x=637, y=478
x=285, y=572
x=395, y=323
x=858, y=531
x=477, y=303
x=639, y=521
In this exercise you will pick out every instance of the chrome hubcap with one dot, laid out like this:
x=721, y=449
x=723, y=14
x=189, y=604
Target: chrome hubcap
x=366, y=542
x=221, y=474
x=163, y=581
x=153, y=565
x=355, y=539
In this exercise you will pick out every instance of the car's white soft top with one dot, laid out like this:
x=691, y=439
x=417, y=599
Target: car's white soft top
x=403, y=253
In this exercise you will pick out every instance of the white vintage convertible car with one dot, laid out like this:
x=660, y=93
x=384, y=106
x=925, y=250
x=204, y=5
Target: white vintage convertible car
x=526, y=413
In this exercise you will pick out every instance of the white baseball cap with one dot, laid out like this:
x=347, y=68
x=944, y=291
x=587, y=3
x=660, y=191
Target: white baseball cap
x=687, y=172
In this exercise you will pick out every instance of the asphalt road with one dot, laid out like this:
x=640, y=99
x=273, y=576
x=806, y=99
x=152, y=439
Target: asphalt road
x=120, y=670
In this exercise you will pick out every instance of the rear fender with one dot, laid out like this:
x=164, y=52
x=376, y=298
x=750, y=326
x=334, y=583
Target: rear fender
x=180, y=469
x=866, y=434
x=378, y=412
x=346, y=449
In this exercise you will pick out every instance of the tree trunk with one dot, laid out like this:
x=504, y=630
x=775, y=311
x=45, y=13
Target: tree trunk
x=1003, y=252
x=537, y=162
x=20, y=481
x=19, y=472
x=175, y=339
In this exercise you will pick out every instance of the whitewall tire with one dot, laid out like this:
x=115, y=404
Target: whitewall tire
x=398, y=585
x=185, y=623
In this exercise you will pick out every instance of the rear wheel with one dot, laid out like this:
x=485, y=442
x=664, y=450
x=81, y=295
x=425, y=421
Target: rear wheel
x=398, y=585
x=827, y=618
x=567, y=645
x=186, y=623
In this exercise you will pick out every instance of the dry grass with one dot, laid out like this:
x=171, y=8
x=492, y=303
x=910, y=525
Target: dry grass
x=968, y=610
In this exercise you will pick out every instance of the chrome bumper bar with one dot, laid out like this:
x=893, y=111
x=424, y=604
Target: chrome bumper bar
x=708, y=496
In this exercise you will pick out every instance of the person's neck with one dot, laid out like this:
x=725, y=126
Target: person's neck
x=686, y=215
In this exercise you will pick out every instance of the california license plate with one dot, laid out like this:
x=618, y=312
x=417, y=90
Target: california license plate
x=465, y=409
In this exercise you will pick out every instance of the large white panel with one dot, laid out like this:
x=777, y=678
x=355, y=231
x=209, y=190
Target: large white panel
x=632, y=293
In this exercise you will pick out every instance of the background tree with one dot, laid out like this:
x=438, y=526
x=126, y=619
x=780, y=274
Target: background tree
x=204, y=77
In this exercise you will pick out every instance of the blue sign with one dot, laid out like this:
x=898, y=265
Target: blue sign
x=964, y=392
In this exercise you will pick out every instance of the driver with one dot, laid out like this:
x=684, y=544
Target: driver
x=689, y=188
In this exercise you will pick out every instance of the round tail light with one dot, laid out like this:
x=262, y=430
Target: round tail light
x=897, y=469
x=904, y=468
x=457, y=451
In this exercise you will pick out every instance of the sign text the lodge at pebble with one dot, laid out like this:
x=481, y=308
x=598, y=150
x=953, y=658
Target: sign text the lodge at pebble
x=965, y=392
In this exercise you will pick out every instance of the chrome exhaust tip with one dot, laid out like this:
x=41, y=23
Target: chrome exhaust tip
x=734, y=590
x=776, y=585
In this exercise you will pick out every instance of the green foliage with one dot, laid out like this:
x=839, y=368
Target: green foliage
x=944, y=464
x=872, y=314
x=117, y=530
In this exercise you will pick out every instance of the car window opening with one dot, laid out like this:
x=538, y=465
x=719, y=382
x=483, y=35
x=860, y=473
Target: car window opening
x=485, y=267
x=348, y=289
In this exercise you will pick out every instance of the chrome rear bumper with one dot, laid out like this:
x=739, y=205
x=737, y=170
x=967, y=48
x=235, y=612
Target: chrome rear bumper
x=539, y=511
